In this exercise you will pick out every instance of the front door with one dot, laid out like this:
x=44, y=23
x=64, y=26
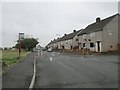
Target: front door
x=98, y=46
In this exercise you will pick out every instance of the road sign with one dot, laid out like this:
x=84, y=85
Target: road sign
x=21, y=35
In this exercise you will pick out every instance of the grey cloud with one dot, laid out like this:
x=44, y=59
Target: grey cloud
x=44, y=20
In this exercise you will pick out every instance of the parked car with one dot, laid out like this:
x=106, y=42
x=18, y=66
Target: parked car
x=49, y=50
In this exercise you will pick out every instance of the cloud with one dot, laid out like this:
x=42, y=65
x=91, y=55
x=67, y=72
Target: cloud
x=44, y=20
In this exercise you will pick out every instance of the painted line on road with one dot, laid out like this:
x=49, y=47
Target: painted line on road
x=34, y=74
x=50, y=59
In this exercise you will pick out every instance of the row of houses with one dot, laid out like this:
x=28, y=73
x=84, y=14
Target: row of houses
x=100, y=36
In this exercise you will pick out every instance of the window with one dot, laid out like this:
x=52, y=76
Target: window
x=84, y=44
x=92, y=45
x=110, y=32
x=76, y=39
x=84, y=35
x=89, y=39
x=92, y=34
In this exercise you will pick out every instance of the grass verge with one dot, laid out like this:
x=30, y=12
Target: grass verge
x=10, y=57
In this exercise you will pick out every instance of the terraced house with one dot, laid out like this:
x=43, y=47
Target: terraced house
x=67, y=42
x=101, y=36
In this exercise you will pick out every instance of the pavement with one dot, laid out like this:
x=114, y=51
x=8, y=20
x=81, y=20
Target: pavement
x=20, y=74
x=59, y=70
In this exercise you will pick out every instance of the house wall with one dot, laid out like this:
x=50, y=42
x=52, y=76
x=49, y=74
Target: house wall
x=59, y=45
x=81, y=41
x=66, y=44
x=74, y=42
x=110, y=35
x=96, y=36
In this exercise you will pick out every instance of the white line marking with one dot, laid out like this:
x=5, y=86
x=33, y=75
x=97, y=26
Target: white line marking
x=50, y=59
x=34, y=74
x=81, y=57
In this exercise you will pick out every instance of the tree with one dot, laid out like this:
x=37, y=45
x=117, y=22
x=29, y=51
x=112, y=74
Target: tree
x=28, y=43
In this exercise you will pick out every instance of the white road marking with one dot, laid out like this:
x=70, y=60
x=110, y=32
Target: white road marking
x=81, y=57
x=50, y=59
x=34, y=74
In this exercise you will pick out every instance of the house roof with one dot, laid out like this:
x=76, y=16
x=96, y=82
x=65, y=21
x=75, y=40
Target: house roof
x=69, y=36
x=97, y=25
x=54, y=41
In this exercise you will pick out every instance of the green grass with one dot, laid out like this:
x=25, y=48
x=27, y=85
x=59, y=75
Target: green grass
x=11, y=56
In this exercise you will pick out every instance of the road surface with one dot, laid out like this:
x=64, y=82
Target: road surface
x=56, y=70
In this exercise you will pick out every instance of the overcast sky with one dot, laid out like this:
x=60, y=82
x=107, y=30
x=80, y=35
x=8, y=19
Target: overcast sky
x=43, y=20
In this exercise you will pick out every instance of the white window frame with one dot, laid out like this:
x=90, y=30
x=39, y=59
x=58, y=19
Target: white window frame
x=92, y=34
x=84, y=35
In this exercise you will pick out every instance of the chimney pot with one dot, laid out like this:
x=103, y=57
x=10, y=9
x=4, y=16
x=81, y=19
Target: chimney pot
x=74, y=30
x=97, y=19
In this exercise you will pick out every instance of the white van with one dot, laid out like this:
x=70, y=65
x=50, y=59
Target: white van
x=49, y=50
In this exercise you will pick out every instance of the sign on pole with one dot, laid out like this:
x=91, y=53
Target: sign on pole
x=21, y=35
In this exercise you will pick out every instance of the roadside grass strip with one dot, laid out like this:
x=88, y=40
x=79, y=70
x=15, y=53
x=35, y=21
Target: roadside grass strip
x=10, y=57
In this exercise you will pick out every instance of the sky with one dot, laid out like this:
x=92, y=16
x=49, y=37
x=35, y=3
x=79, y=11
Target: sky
x=44, y=20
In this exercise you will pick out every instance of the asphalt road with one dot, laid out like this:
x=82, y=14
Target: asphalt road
x=56, y=70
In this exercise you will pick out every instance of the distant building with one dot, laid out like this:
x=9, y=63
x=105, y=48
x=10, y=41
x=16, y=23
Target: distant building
x=68, y=41
x=101, y=36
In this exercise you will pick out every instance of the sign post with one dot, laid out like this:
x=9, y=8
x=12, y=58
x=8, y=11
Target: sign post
x=21, y=36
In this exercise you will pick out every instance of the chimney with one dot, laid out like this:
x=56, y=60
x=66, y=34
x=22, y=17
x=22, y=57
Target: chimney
x=65, y=34
x=97, y=19
x=74, y=31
